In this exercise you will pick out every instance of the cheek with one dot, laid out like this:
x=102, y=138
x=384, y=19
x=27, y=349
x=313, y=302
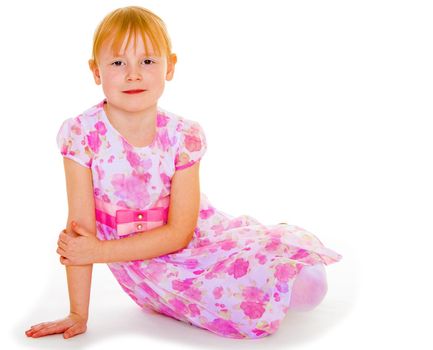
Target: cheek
x=159, y=79
x=110, y=82
x=110, y=77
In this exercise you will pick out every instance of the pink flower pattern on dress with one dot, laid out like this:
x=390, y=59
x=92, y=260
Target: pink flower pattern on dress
x=131, y=189
x=192, y=143
x=234, y=278
x=284, y=272
x=218, y=292
x=239, y=268
x=101, y=128
x=252, y=310
x=94, y=141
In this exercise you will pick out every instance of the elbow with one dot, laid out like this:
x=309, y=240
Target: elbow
x=184, y=238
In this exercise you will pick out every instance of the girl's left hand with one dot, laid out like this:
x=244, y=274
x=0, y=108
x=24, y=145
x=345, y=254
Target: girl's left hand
x=83, y=249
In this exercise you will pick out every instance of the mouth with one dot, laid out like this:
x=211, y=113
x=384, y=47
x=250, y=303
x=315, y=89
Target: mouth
x=137, y=91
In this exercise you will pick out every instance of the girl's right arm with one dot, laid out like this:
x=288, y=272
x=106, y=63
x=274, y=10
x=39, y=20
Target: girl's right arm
x=81, y=209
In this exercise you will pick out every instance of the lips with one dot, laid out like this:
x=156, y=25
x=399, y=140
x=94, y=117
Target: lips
x=136, y=91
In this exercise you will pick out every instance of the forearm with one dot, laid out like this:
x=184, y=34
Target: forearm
x=79, y=282
x=144, y=245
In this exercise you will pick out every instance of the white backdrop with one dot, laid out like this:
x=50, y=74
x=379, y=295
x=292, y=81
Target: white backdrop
x=317, y=113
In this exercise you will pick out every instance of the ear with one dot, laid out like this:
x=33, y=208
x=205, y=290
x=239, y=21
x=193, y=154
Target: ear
x=95, y=71
x=171, y=62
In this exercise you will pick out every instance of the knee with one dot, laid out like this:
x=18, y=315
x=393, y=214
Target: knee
x=309, y=288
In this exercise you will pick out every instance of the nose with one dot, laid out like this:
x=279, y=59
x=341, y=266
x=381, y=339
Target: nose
x=133, y=74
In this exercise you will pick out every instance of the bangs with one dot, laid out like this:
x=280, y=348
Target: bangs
x=132, y=33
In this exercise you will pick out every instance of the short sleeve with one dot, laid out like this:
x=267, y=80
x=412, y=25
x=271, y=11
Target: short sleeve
x=72, y=143
x=192, y=144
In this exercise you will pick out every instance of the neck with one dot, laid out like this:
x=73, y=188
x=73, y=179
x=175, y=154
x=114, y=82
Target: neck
x=135, y=121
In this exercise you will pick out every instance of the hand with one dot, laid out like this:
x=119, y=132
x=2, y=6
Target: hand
x=80, y=248
x=70, y=326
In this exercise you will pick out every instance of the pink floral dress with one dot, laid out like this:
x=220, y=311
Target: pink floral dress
x=235, y=276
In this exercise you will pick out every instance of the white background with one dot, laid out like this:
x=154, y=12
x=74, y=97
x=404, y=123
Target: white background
x=317, y=113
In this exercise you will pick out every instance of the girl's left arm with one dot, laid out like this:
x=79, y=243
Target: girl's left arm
x=144, y=245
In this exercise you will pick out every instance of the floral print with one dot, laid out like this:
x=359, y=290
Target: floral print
x=235, y=276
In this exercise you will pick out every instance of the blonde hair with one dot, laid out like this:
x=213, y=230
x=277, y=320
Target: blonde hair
x=132, y=20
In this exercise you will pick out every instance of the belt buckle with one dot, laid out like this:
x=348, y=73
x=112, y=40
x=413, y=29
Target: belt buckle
x=130, y=221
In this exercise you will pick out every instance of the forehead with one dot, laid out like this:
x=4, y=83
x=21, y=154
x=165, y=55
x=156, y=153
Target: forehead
x=136, y=43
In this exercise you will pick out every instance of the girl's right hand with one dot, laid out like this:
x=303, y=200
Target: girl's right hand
x=70, y=326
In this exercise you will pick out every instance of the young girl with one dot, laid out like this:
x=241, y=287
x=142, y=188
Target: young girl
x=132, y=176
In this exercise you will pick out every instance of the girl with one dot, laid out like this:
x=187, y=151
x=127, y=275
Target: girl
x=132, y=176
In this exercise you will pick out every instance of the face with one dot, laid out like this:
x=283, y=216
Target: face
x=132, y=81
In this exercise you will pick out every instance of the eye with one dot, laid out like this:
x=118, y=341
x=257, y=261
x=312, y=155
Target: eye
x=117, y=63
x=148, y=61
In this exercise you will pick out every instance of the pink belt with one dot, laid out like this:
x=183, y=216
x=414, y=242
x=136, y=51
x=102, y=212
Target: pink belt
x=127, y=221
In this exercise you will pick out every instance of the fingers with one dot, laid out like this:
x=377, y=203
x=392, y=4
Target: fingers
x=77, y=328
x=64, y=237
x=70, y=326
x=63, y=234
x=37, y=327
x=62, y=244
x=48, y=328
x=61, y=251
x=65, y=261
